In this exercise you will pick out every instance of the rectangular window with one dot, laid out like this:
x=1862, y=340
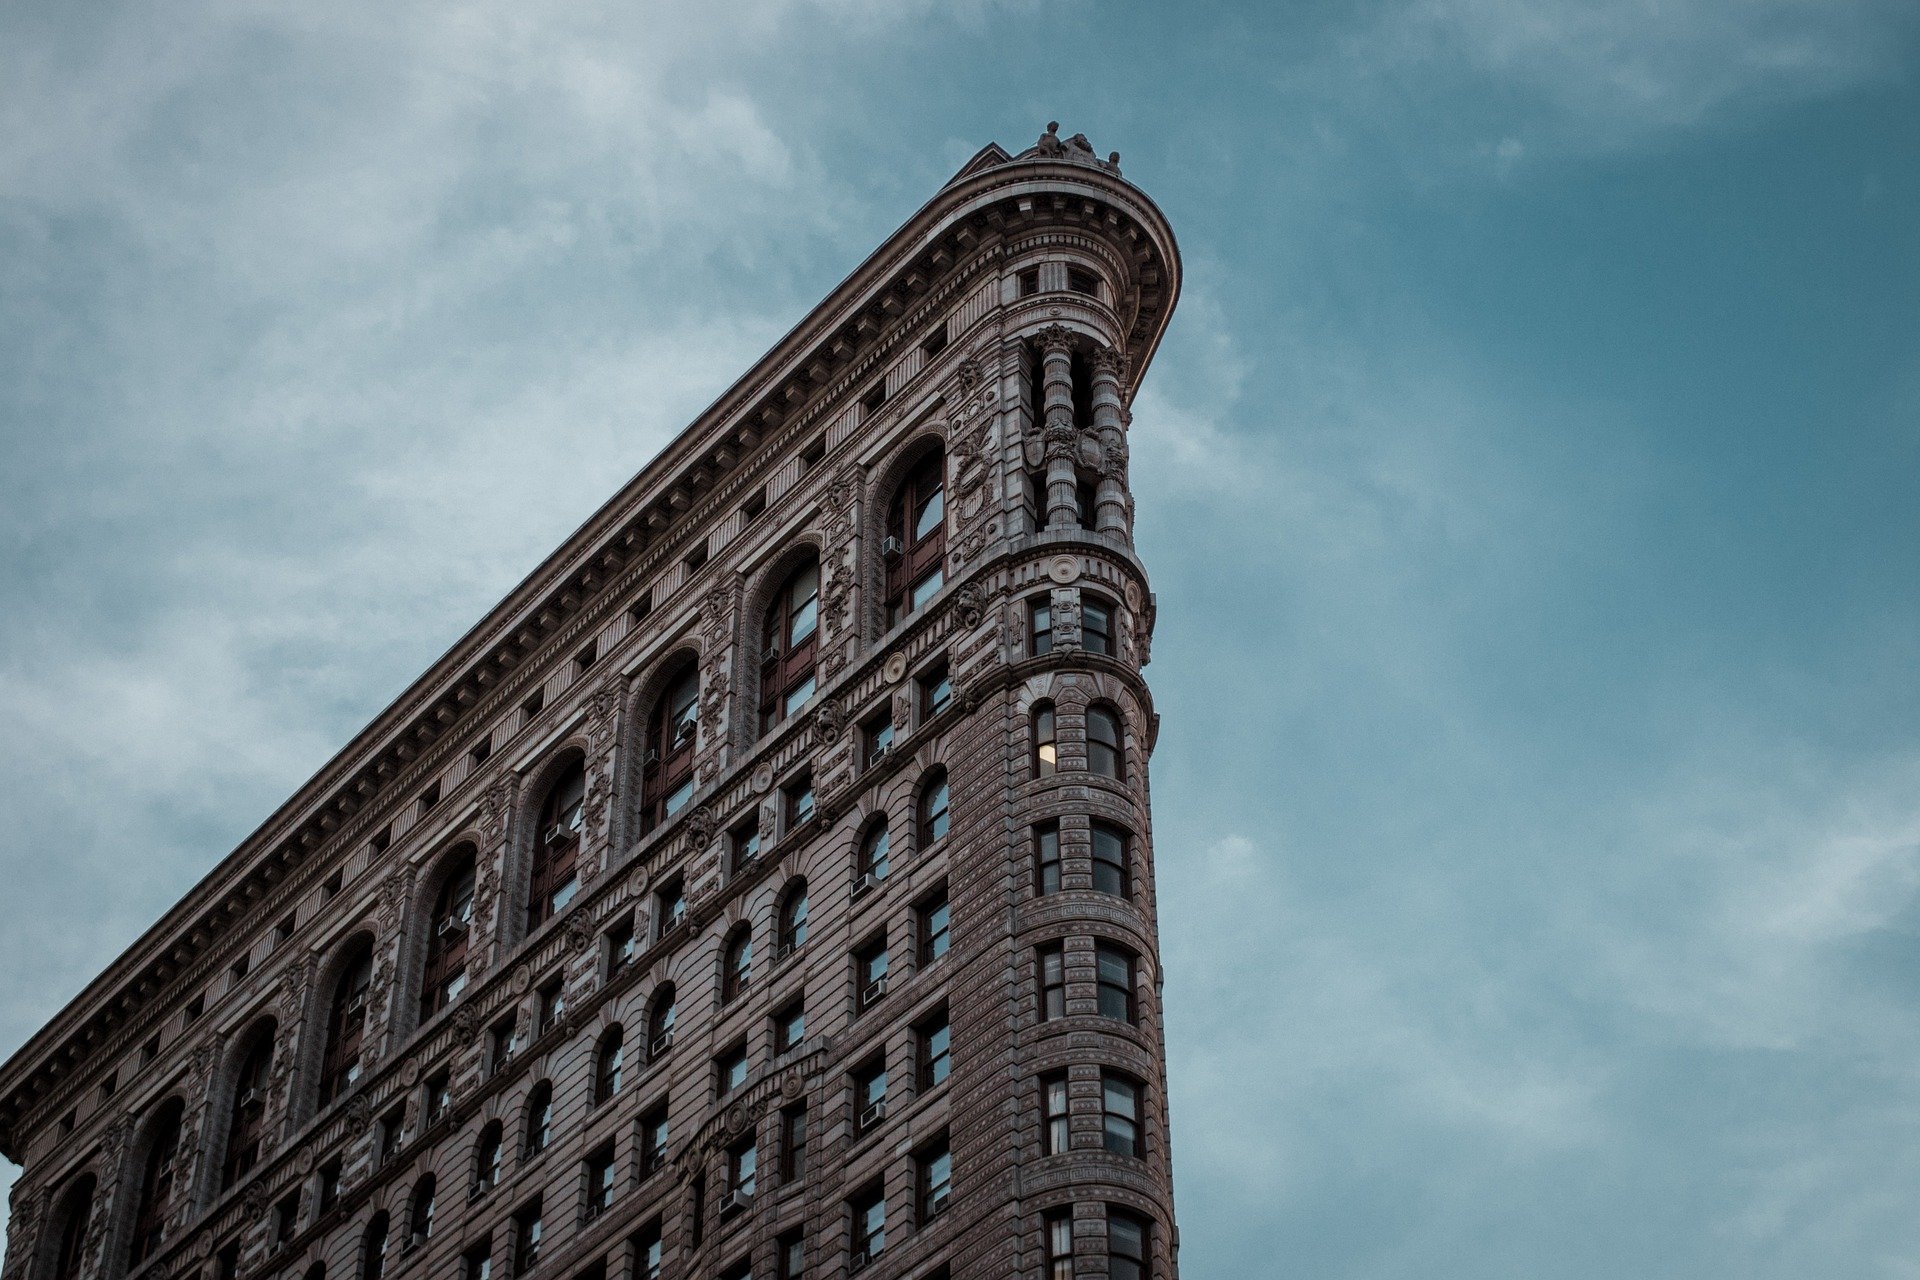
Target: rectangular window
x=1046, y=858
x=935, y=1168
x=195, y=1007
x=935, y=690
x=1120, y=1109
x=743, y=1163
x=437, y=1096
x=790, y=1027
x=283, y=931
x=553, y=1005
x=799, y=800
x=670, y=906
x=869, y=1210
x=641, y=607
x=933, y=931
x=479, y=753
x=393, y=1130
x=1040, y=625
x=1054, y=1129
x=237, y=972
x=730, y=1070
x=1115, y=973
x=327, y=1191
x=870, y=1094
x=811, y=456
x=1079, y=281
x=872, y=402
x=1126, y=1246
x=790, y=1256
x=600, y=1182
x=744, y=845
x=696, y=558
x=870, y=974
x=503, y=1041
x=1059, y=1230
x=1109, y=861
x=754, y=506
x=1096, y=625
x=620, y=946
x=1053, y=982
x=935, y=1050
x=1029, y=282
x=697, y=1227
x=477, y=1263
x=876, y=738
x=429, y=798
x=533, y=705
x=583, y=661
x=793, y=1143
x=653, y=1140
x=649, y=1251
x=286, y=1218
x=526, y=1238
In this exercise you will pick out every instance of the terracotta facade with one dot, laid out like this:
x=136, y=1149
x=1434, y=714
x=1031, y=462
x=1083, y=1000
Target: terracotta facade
x=965, y=677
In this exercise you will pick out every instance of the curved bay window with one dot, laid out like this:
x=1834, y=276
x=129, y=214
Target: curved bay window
x=158, y=1177
x=1045, y=755
x=556, y=847
x=793, y=918
x=666, y=774
x=933, y=808
x=736, y=963
x=608, y=1062
x=660, y=1022
x=789, y=645
x=346, y=1025
x=248, y=1120
x=915, y=548
x=1104, y=755
x=449, y=929
x=76, y=1214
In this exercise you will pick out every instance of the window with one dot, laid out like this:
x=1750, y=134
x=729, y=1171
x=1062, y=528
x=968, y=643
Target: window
x=1046, y=858
x=637, y=612
x=1096, y=625
x=872, y=866
x=429, y=798
x=695, y=558
x=1079, y=281
x=420, y=1211
x=653, y=1140
x=915, y=546
x=346, y=1024
x=539, y=1119
x=730, y=1070
x=621, y=948
x=286, y=1218
x=526, y=1238
x=931, y=920
x=933, y=808
x=600, y=1181
x=486, y=1159
x=532, y=706
x=875, y=398
x=1110, y=865
x=936, y=342
x=742, y=1163
x=437, y=1097
x=248, y=1121
x=869, y=1210
x=1059, y=1229
x=157, y=1179
x=1028, y=281
x=1053, y=982
x=556, y=847
x=789, y=1027
x=935, y=690
x=648, y=1252
x=553, y=1005
x=477, y=1263
x=789, y=645
x=741, y=1270
x=503, y=1041
x=934, y=1166
x=1126, y=1246
x=393, y=1128
x=811, y=456
x=608, y=1063
x=1120, y=1109
x=697, y=1227
x=745, y=841
x=1040, y=623
x=238, y=970
x=660, y=1022
x=283, y=931
x=478, y=754
x=449, y=926
x=799, y=801
x=870, y=974
x=1115, y=973
x=876, y=738
x=670, y=906
x=790, y=1256
x=793, y=918
x=666, y=769
x=753, y=507
x=1103, y=742
x=327, y=1190
x=1055, y=1131
x=934, y=1041
x=195, y=1007
x=869, y=1094
x=1046, y=755
x=793, y=1143
x=736, y=963
x=373, y=1248
x=76, y=1211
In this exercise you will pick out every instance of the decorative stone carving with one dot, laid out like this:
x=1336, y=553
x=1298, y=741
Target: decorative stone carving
x=359, y=1113
x=254, y=1200
x=579, y=935
x=603, y=711
x=496, y=804
x=968, y=605
x=968, y=375
x=829, y=722
x=716, y=613
x=522, y=979
x=1061, y=440
x=466, y=1025
x=1056, y=337
x=700, y=828
x=1064, y=568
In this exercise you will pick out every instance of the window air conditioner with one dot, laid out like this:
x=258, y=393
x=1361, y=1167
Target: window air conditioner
x=736, y=1200
x=653, y=757
x=662, y=1042
x=873, y=1113
x=683, y=732
x=248, y=1097
x=452, y=927
x=892, y=548
x=556, y=833
x=875, y=989
x=770, y=654
x=861, y=1259
x=866, y=884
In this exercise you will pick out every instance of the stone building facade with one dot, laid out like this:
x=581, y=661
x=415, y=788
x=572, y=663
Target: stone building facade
x=764, y=888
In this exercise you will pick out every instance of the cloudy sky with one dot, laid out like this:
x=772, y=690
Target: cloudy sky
x=1529, y=478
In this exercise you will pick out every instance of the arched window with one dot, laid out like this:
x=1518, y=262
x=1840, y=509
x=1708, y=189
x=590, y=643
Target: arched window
x=1045, y=756
x=556, y=847
x=1103, y=743
x=373, y=1248
x=933, y=808
x=793, y=918
x=318, y=1271
x=607, y=1063
x=448, y=929
x=873, y=864
x=660, y=1022
x=420, y=1211
x=539, y=1119
x=158, y=1176
x=789, y=643
x=346, y=1024
x=666, y=776
x=76, y=1214
x=736, y=962
x=915, y=548
x=248, y=1118
x=486, y=1158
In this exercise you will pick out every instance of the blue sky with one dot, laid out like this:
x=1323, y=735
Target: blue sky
x=1528, y=478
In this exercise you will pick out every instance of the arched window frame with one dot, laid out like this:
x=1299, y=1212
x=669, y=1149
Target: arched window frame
x=488, y=1152
x=736, y=963
x=661, y=1013
x=555, y=873
x=933, y=808
x=443, y=974
x=914, y=547
x=1106, y=742
x=793, y=918
x=247, y=1110
x=790, y=644
x=608, y=1063
x=673, y=732
x=67, y=1229
x=346, y=1025
x=872, y=861
x=1045, y=755
x=373, y=1247
x=537, y=1127
x=420, y=1207
x=161, y=1179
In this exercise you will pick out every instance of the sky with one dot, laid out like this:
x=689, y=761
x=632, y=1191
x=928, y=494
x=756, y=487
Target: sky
x=1528, y=480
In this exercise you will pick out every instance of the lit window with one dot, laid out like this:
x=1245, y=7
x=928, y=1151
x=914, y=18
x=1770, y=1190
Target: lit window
x=1046, y=755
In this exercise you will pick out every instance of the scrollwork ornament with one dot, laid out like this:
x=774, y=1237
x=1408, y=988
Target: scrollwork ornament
x=1061, y=440
x=495, y=806
x=602, y=712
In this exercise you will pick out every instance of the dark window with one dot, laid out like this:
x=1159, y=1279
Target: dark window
x=328, y=1190
x=486, y=1159
x=1103, y=743
x=673, y=730
x=1096, y=625
x=420, y=1211
x=1053, y=982
x=539, y=1119
x=753, y=507
x=653, y=1140
x=648, y=1252
x=1029, y=281
x=1110, y=863
x=248, y=1121
x=934, y=1166
x=869, y=1210
x=1054, y=1130
x=936, y=342
x=429, y=798
x=373, y=1249
x=637, y=612
x=789, y=645
x=1040, y=622
x=477, y=1263
x=935, y=1045
x=670, y=906
x=76, y=1213
x=1046, y=754
x=793, y=1143
x=438, y=1097
x=870, y=974
x=191, y=1014
x=790, y=1256
x=736, y=963
x=346, y=1024
x=609, y=1063
x=915, y=546
x=1126, y=1246
x=449, y=926
x=1059, y=1229
x=745, y=840
x=933, y=808
x=811, y=456
x=621, y=947
x=743, y=1164
x=799, y=801
x=532, y=706
x=873, y=864
x=741, y=1270
x=933, y=933
x=600, y=1182
x=556, y=847
x=876, y=738
x=477, y=756
x=239, y=969
x=789, y=1027
x=503, y=1041
x=1046, y=858
x=697, y=1228
x=286, y=1218
x=793, y=918
x=660, y=1022
x=875, y=398
x=1115, y=973
x=526, y=1238
x=696, y=557
x=584, y=660
x=393, y=1128
x=869, y=1094
x=1079, y=281
x=553, y=1005
x=1120, y=1108
x=730, y=1070
x=936, y=690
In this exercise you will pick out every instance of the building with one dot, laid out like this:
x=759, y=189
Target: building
x=764, y=888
